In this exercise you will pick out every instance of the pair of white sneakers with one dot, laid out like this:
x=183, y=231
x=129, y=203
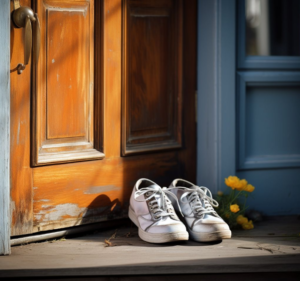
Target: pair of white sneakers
x=152, y=211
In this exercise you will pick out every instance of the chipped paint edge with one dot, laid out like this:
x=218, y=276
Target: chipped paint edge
x=5, y=128
x=55, y=225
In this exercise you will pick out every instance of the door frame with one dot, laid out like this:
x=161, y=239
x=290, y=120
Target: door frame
x=216, y=92
x=5, y=128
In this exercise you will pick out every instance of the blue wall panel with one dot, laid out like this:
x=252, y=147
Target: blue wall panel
x=277, y=191
x=272, y=115
x=268, y=126
x=248, y=113
x=268, y=131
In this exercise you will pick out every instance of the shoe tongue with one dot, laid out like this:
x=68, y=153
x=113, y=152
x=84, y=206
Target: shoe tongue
x=190, y=187
x=159, y=199
x=157, y=196
x=207, y=215
x=154, y=186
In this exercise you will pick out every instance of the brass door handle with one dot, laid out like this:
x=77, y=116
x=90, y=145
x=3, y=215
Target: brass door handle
x=24, y=17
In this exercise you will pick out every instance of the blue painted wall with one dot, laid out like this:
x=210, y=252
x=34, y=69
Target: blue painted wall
x=268, y=127
x=248, y=113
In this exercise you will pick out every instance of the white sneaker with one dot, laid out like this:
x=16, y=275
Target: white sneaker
x=152, y=212
x=196, y=205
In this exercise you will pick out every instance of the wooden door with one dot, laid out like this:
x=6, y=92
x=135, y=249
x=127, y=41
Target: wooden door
x=110, y=100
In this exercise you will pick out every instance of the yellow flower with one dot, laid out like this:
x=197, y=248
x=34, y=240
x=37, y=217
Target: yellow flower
x=242, y=184
x=249, y=188
x=232, y=181
x=247, y=225
x=220, y=193
x=234, y=208
x=241, y=219
x=235, y=183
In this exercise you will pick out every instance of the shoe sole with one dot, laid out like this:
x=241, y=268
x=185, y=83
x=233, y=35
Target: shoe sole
x=206, y=236
x=210, y=236
x=157, y=237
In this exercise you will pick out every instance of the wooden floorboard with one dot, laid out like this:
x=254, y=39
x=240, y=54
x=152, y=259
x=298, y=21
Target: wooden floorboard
x=271, y=249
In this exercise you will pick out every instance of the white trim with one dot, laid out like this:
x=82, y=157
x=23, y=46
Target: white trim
x=5, y=128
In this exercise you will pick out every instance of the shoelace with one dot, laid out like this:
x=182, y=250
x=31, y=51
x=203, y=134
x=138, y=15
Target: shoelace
x=193, y=194
x=166, y=208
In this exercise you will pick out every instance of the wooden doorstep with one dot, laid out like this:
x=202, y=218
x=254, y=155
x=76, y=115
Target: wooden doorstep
x=266, y=249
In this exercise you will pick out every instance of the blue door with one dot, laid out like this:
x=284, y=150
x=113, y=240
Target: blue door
x=268, y=103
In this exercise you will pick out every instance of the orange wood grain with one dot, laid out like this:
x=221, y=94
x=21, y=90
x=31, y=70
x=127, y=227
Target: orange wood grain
x=152, y=75
x=112, y=44
x=63, y=96
x=93, y=191
x=68, y=85
x=21, y=173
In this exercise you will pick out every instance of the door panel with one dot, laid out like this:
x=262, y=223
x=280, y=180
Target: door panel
x=152, y=32
x=67, y=88
x=268, y=92
x=63, y=113
x=63, y=194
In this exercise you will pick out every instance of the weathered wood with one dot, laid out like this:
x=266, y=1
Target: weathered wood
x=21, y=173
x=4, y=128
x=70, y=231
x=88, y=192
x=129, y=255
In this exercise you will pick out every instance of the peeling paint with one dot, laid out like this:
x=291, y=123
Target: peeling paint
x=38, y=217
x=50, y=214
x=101, y=189
x=42, y=200
x=75, y=9
x=12, y=208
x=59, y=211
